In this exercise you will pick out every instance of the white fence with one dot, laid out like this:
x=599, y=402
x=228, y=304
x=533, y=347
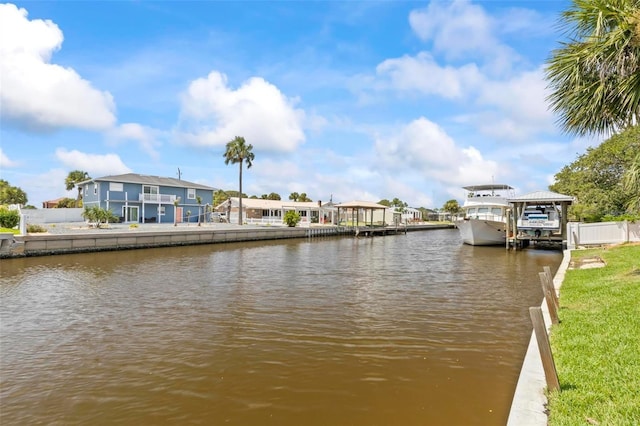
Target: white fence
x=583, y=234
x=38, y=216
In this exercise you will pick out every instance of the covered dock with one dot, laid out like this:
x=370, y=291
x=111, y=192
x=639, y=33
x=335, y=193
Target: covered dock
x=538, y=217
x=359, y=216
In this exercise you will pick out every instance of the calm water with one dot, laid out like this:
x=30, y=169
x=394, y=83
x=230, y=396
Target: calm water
x=412, y=329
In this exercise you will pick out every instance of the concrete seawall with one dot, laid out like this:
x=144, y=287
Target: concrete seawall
x=77, y=238
x=49, y=244
x=528, y=407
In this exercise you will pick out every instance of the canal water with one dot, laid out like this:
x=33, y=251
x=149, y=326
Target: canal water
x=411, y=329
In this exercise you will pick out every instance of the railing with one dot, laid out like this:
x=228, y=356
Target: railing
x=264, y=221
x=157, y=198
x=304, y=221
x=487, y=216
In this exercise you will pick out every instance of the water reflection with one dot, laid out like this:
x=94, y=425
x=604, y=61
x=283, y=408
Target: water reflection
x=412, y=329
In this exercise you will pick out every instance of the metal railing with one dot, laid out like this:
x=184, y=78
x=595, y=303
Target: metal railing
x=157, y=198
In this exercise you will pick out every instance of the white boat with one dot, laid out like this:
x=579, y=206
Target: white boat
x=485, y=214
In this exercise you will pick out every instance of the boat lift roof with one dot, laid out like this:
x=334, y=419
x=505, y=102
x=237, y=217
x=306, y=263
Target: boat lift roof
x=487, y=187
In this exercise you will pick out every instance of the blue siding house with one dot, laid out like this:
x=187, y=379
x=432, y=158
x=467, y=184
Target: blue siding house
x=138, y=198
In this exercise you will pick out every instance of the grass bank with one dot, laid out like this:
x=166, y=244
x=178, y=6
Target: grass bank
x=596, y=346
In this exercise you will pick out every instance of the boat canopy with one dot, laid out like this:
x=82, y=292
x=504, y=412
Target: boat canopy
x=488, y=187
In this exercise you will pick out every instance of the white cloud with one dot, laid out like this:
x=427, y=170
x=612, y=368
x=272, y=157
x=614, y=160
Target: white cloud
x=146, y=137
x=460, y=29
x=426, y=149
x=37, y=95
x=213, y=114
x=96, y=165
x=5, y=161
x=422, y=73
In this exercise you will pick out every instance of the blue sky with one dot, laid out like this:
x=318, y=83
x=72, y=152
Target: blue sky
x=355, y=100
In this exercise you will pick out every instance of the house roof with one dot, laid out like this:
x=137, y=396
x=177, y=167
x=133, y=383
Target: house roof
x=360, y=205
x=541, y=196
x=149, y=180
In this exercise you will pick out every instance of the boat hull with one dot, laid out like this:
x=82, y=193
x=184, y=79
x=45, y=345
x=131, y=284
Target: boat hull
x=479, y=232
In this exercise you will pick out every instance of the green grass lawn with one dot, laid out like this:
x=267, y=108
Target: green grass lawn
x=13, y=231
x=596, y=346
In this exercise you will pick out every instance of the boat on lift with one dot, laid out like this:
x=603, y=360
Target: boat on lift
x=485, y=214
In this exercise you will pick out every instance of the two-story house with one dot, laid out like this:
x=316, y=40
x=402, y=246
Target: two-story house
x=144, y=199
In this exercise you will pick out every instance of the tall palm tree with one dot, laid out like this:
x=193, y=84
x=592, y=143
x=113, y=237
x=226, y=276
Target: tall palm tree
x=239, y=152
x=72, y=179
x=595, y=76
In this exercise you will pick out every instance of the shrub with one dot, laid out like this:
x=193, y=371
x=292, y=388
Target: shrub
x=9, y=218
x=97, y=215
x=291, y=218
x=34, y=229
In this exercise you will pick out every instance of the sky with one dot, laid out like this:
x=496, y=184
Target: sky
x=341, y=100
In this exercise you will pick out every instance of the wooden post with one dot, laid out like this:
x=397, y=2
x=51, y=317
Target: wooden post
x=550, y=373
x=548, y=296
x=547, y=271
x=508, y=219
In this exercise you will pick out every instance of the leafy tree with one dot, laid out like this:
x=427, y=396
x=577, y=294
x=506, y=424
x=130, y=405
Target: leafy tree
x=72, y=179
x=238, y=152
x=11, y=194
x=631, y=185
x=400, y=206
x=291, y=218
x=271, y=196
x=451, y=207
x=303, y=198
x=66, y=203
x=596, y=177
x=254, y=197
x=294, y=196
x=219, y=197
x=595, y=77
x=385, y=202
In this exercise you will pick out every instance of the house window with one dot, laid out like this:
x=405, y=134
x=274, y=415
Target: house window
x=95, y=189
x=303, y=213
x=116, y=187
x=265, y=213
x=191, y=193
x=160, y=210
x=153, y=190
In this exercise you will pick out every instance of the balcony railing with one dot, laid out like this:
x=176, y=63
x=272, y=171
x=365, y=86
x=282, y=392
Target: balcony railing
x=157, y=198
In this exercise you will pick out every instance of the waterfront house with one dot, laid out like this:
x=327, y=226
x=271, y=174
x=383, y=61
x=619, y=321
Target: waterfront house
x=261, y=211
x=136, y=198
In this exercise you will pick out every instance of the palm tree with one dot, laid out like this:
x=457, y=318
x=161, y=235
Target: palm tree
x=239, y=152
x=199, y=201
x=595, y=77
x=74, y=178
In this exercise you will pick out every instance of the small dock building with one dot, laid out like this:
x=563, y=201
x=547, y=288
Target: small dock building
x=538, y=217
